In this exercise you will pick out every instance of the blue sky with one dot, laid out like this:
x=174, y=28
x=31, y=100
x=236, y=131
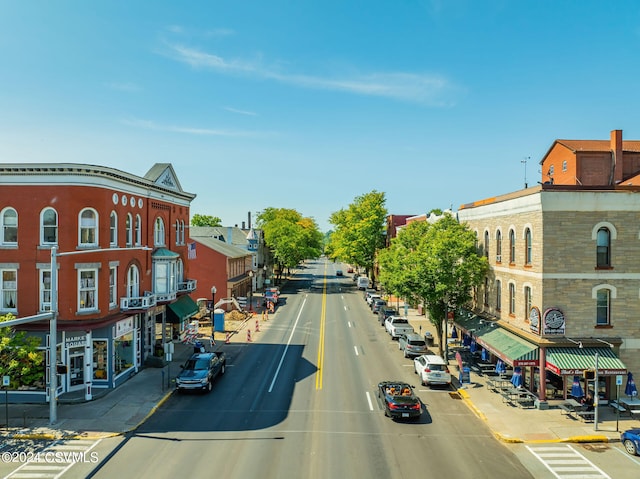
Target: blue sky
x=306, y=105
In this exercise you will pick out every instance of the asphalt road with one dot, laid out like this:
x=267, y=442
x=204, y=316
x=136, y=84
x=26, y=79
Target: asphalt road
x=302, y=403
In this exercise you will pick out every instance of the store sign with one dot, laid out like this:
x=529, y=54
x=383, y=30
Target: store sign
x=553, y=322
x=534, y=320
x=75, y=342
x=123, y=327
x=578, y=371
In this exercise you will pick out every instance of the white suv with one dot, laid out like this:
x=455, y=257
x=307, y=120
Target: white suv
x=432, y=369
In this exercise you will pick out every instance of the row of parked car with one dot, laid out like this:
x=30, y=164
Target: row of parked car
x=431, y=368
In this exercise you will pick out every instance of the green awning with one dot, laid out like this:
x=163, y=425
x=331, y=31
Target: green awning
x=567, y=361
x=181, y=309
x=507, y=346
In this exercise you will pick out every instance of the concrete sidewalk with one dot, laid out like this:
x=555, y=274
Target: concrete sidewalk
x=527, y=425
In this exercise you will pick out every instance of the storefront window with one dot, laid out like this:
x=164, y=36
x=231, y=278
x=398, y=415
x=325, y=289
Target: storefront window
x=100, y=359
x=124, y=352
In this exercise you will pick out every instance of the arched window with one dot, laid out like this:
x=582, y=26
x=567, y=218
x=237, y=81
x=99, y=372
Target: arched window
x=498, y=246
x=182, y=232
x=9, y=220
x=177, y=232
x=486, y=292
x=527, y=246
x=603, y=307
x=603, y=248
x=88, y=227
x=498, y=295
x=527, y=301
x=138, y=230
x=512, y=298
x=49, y=226
x=113, y=229
x=158, y=232
x=512, y=246
x=180, y=271
x=133, y=282
x=486, y=244
x=128, y=230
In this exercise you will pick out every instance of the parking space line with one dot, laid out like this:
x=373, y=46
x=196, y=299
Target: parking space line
x=369, y=401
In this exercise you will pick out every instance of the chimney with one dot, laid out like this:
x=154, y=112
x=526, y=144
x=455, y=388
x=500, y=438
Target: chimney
x=616, y=149
x=243, y=226
x=249, y=220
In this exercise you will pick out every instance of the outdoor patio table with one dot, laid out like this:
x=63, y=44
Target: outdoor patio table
x=632, y=405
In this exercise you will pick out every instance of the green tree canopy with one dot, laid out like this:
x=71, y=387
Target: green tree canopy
x=205, y=220
x=437, y=264
x=19, y=356
x=290, y=237
x=359, y=230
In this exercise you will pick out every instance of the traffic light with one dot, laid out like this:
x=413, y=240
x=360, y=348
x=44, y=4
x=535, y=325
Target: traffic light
x=589, y=374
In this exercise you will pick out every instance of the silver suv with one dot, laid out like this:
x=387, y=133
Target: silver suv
x=413, y=345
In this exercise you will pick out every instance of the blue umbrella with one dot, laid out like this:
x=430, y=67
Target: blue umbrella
x=630, y=389
x=576, y=388
x=454, y=333
x=473, y=347
x=500, y=367
x=466, y=340
x=484, y=355
x=517, y=380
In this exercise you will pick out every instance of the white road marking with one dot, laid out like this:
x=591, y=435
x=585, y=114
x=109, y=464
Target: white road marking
x=284, y=353
x=355, y=348
x=564, y=461
x=369, y=401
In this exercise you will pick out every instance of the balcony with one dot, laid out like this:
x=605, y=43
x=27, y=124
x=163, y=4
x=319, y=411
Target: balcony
x=187, y=286
x=164, y=297
x=138, y=302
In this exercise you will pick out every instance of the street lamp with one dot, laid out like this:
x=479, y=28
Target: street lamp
x=213, y=302
x=250, y=290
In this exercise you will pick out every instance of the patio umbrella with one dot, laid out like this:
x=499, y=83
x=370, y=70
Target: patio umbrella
x=466, y=340
x=630, y=389
x=484, y=355
x=517, y=380
x=576, y=388
x=500, y=367
x=454, y=333
x=473, y=347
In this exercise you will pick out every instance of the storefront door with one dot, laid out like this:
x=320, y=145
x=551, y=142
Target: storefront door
x=76, y=369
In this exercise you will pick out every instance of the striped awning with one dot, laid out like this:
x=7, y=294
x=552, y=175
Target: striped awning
x=567, y=361
x=507, y=346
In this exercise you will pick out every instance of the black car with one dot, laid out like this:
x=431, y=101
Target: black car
x=376, y=304
x=387, y=311
x=200, y=370
x=399, y=401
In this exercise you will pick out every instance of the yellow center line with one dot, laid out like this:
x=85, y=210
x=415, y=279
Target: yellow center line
x=323, y=314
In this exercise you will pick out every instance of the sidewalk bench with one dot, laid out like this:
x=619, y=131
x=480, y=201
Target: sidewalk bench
x=586, y=416
x=619, y=407
x=567, y=411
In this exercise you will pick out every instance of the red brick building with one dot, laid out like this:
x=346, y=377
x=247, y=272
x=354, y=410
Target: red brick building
x=119, y=244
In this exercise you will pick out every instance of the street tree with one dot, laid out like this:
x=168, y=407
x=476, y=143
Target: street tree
x=205, y=220
x=20, y=358
x=359, y=231
x=290, y=237
x=436, y=264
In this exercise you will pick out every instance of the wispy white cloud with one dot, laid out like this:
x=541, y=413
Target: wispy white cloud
x=241, y=112
x=431, y=89
x=189, y=130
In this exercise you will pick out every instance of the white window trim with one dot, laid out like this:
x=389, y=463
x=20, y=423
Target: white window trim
x=93, y=288
x=14, y=289
x=96, y=228
x=113, y=229
x=3, y=226
x=113, y=286
x=43, y=241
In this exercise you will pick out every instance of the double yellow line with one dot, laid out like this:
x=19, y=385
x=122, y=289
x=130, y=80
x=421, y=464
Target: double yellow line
x=323, y=316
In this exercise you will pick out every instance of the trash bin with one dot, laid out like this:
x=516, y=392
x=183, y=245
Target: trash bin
x=198, y=347
x=218, y=320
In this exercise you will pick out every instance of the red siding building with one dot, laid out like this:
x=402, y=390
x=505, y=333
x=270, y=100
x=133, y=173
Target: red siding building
x=118, y=242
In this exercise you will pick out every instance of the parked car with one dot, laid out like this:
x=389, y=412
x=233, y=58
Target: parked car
x=200, y=370
x=369, y=298
x=432, y=369
x=412, y=345
x=387, y=311
x=397, y=325
x=399, y=401
x=349, y=270
x=339, y=272
x=363, y=282
x=377, y=304
x=630, y=439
